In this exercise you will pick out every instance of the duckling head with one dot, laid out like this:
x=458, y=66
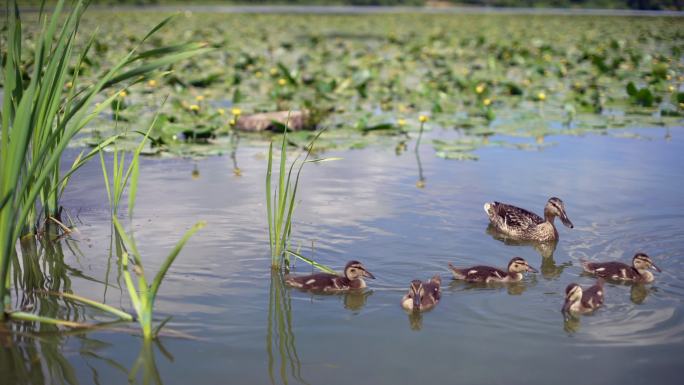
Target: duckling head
x=355, y=270
x=416, y=292
x=556, y=208
x=519, y=265
x=573, y=294
x=642, y=262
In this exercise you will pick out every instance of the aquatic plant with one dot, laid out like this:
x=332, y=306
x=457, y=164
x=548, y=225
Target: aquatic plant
x=280, y=206
x=40, y=116
x=145, y=294
x=121, y=176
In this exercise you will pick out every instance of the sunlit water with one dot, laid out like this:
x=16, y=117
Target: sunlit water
x=623, y=195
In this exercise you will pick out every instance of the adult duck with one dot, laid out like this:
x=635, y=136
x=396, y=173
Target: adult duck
x=520, y=224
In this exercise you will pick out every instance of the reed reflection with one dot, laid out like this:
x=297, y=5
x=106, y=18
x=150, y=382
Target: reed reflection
x=281, y=347
x=32, y=353
x=144, y=370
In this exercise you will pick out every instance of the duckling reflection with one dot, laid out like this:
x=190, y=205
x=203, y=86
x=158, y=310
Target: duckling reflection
x=355, y=300
x=639, y=292
x=512, y=288
x=571, y=324
x=415, y=320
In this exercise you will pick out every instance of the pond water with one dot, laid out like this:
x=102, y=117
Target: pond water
x=623, y=195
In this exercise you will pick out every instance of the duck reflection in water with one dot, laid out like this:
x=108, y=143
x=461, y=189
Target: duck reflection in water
x=549, y=268
x=415, y=320
x=356, y=300
x=512, y=288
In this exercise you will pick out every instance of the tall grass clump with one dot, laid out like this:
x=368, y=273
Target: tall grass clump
x=40, y=116
x=115, y=184
x=144, y=295
x=281, y=202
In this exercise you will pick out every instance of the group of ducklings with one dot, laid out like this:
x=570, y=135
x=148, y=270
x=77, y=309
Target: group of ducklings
x=516, y=223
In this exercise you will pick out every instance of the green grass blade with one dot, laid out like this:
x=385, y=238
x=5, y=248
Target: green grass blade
x=132, y=292
x=170, y=258
x=23, y=316
x=268, y=197
x=311, y=262
x=106, y=308
x=130, y=245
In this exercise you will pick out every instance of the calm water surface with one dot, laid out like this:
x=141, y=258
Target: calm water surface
x=623, y=195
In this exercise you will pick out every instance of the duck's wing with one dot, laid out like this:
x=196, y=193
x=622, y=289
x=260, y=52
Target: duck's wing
x=593, y=296
x=433, y=293
x=320, y=281
x=513, y=216
x=481, y=273
x=610, y=270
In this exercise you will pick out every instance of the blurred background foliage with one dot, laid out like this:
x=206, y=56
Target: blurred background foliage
x=611, y=4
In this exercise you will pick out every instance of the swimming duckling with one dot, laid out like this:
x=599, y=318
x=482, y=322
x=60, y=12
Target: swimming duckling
x=583, y=301
x=352, y=279
x=516, y=267
x=521, y=224
x=638, y=272
x=422, y=295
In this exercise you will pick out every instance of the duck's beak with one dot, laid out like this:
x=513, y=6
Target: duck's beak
x=531, y=269
x=416, y=301
x=566, y=306
x=656, y=268
x=566, y=221
x=368, y=274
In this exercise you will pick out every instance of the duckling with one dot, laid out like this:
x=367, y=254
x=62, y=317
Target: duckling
x=354, y=272
x=583, y=301
x=638, y=272
x=521, y=224
x=422, y=295
x=516, y=267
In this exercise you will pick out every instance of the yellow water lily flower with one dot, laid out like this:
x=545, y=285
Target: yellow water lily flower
x=123, y=94
x=541, y=96
x=487, y=102
x=194, y=107
x=199, y=98
x=152, y=83
x=221, y=111
x=480, y=88
x=423, y=118
x=401, y=122
x=236, y=111
x=282, y=82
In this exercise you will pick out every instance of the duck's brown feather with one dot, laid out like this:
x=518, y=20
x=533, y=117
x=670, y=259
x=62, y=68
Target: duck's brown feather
x=513, y=216
x=593, y=296
x=479, y=273
x=612, y=270
x=320, y=282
